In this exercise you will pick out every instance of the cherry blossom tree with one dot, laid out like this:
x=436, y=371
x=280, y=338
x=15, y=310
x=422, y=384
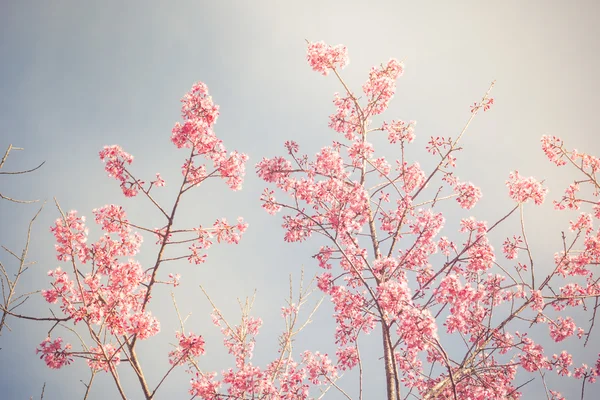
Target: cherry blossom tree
x=107, y=291
x=388, y=270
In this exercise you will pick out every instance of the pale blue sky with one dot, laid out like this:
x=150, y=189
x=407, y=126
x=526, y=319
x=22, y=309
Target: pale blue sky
x=76, y=76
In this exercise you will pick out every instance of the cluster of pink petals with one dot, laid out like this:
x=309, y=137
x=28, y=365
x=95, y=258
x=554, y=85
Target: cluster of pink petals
x=318, y=366
x=492, y=382
x=583, y=223
x=522, y=189
x=552, y=146
x=446, y=246
x=468, y=194
x=329, y=162
x=114, y=294
x=53, y=354
x=104, y=358
x=205, y=386
x=467, y=309
x=400, y=131
x=532, y=358
x=570, y=199
x=190, y=346
x=359, y=152
x=345, y=120
x=274, y=169
x=510, y=248
x=115, y=159
x=348, y=357
x=159, y=181
x=481, y=255
x=394, y=297
x=412, y=176
x=222, y=231
x=486, y=104
x=200, y=114
x=281, y=379
x=349, y=315
x=562, y=362
x=71, y=237
x=322, y=57
x=381, y=86
x=561, y=328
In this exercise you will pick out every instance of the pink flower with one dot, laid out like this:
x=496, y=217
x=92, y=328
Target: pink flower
x=486, y=104
x=318, y=365
x=104, y=357
x=71, y=237
x=381, y=86
x=537, y=301
x=552, y=146
x=468, y=194
x=532, y=358
x=481, y=255
x=511, y=247
x=198, y=105
x=274, y=170
x=345, y=120
x=522, y=189
x=360, y=151
x=159, y=181
x=323, y=58
x=560, y=329
x=233, y=169
x=112, y=219
x=190, y=346
x=53, y=354
x=200, y=114
x=115, y=159
x=269, y=203
x=569, y=199
x=324, y=282
x=347, y=357
x=205, y=386
x=412, y=176
x=400, y=131
x=563, y=362
x=394, y=296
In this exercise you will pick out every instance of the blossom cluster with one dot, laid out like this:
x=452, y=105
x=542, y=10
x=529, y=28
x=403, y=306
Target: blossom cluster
x=196, y=133
x=323, y=57
x=114, y=294
x=380, y=240
x=385, y=264
x=54, y=354
x=190, y=346
x=283, y=378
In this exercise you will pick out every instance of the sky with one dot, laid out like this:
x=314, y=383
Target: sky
x=76, y=76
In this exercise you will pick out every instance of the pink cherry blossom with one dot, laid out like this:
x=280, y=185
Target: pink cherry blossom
x=560, y=329
x=323, y=58
x=400, y=131
x=381, y=86
x=522, y=189
x=468, y=194
x=190, y=346
x=104, y=358
x=54, y=354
